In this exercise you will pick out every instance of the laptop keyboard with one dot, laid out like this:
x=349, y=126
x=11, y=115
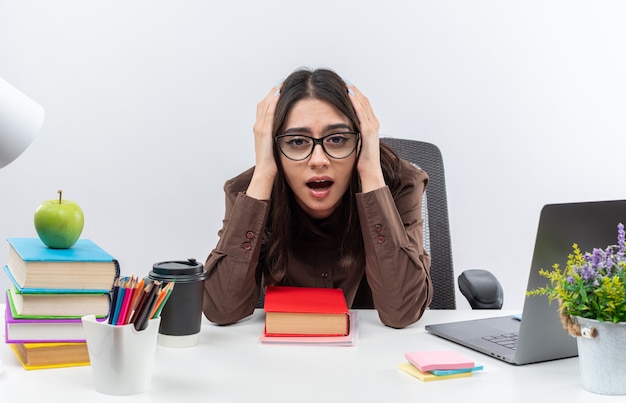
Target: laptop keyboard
x=508, y=340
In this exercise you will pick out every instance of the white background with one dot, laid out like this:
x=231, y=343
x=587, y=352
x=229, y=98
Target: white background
x=150, y=105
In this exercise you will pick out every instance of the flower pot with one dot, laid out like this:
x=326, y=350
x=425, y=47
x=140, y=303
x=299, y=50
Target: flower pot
x=602, y=356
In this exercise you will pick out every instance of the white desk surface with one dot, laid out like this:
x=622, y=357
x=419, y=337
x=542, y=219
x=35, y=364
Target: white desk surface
x=230, y=365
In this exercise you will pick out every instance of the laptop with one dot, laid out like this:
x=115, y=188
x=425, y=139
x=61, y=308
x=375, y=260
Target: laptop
x=538, y=335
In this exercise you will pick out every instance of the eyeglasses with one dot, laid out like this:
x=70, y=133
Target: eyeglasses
x=298, y=147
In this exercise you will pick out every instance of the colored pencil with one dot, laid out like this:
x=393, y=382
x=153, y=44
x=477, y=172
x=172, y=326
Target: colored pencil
x=120, y=299
x=140, y=301
x=131, y=300
x=144, y=311
x=113, y=302
x=128, y=295
x=163, y=296
x=135, y=301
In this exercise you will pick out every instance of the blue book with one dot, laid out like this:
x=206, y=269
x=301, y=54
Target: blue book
x=33, y=267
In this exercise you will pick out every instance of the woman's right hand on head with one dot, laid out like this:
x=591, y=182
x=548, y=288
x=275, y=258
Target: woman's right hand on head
x=265, y=169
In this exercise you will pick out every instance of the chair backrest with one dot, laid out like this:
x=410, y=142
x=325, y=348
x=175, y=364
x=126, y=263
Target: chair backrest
x=437, y=242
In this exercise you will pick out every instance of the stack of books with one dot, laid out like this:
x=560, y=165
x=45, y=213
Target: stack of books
x=438, y=365
x=305, y=315
x=51, y=290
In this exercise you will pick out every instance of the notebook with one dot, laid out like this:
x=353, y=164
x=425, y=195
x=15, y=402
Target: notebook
x=539, y=335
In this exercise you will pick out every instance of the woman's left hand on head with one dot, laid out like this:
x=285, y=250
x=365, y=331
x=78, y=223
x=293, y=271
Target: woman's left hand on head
x=368, y=165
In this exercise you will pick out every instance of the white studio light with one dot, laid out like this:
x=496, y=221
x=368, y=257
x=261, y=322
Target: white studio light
x=20, y=121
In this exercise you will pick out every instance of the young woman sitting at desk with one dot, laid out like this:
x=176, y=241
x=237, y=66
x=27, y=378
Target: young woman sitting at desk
x=326, y=205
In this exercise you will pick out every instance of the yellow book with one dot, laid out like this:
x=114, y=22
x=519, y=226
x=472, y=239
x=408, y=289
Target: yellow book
x=51, y=355
x=427, y=376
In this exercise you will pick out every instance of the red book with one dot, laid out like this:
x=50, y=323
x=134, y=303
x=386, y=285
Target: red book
x=305, y=311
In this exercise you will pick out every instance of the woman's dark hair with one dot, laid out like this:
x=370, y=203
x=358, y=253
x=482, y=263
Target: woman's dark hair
x=324, y=85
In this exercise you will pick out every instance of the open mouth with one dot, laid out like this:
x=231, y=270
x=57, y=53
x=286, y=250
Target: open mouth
x=319, y=185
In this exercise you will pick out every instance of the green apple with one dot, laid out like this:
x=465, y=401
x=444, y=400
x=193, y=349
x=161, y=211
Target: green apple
x=59, y=222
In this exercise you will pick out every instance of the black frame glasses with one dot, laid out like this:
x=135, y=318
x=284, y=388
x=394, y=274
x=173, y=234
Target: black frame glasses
x=280, y=142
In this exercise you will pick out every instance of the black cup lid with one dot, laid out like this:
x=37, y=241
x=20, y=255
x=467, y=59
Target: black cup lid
x=178, y=270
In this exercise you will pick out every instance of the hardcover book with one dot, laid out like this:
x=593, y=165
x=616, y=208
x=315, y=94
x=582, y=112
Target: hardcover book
x=42, y=330
x=348, y=340
x=34, y=267
x=36, y=306
x=51, y=355
x=305, y=311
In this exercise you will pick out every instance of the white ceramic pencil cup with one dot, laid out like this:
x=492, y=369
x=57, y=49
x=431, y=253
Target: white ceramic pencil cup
x=122, y=358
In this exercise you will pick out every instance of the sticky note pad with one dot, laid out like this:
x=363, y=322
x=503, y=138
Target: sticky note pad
x=440, y=359
x=427, y=376
x=455, y=371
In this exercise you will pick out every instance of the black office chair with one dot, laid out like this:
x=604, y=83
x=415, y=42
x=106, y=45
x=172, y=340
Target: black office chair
x=481, y=288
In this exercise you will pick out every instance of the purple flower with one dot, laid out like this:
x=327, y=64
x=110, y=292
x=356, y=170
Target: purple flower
x=588, y=272
x=589, y=278
x=609, y=260
x=596, y=258
x=621, y=240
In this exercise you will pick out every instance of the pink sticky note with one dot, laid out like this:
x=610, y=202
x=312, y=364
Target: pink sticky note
x=442, y=359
